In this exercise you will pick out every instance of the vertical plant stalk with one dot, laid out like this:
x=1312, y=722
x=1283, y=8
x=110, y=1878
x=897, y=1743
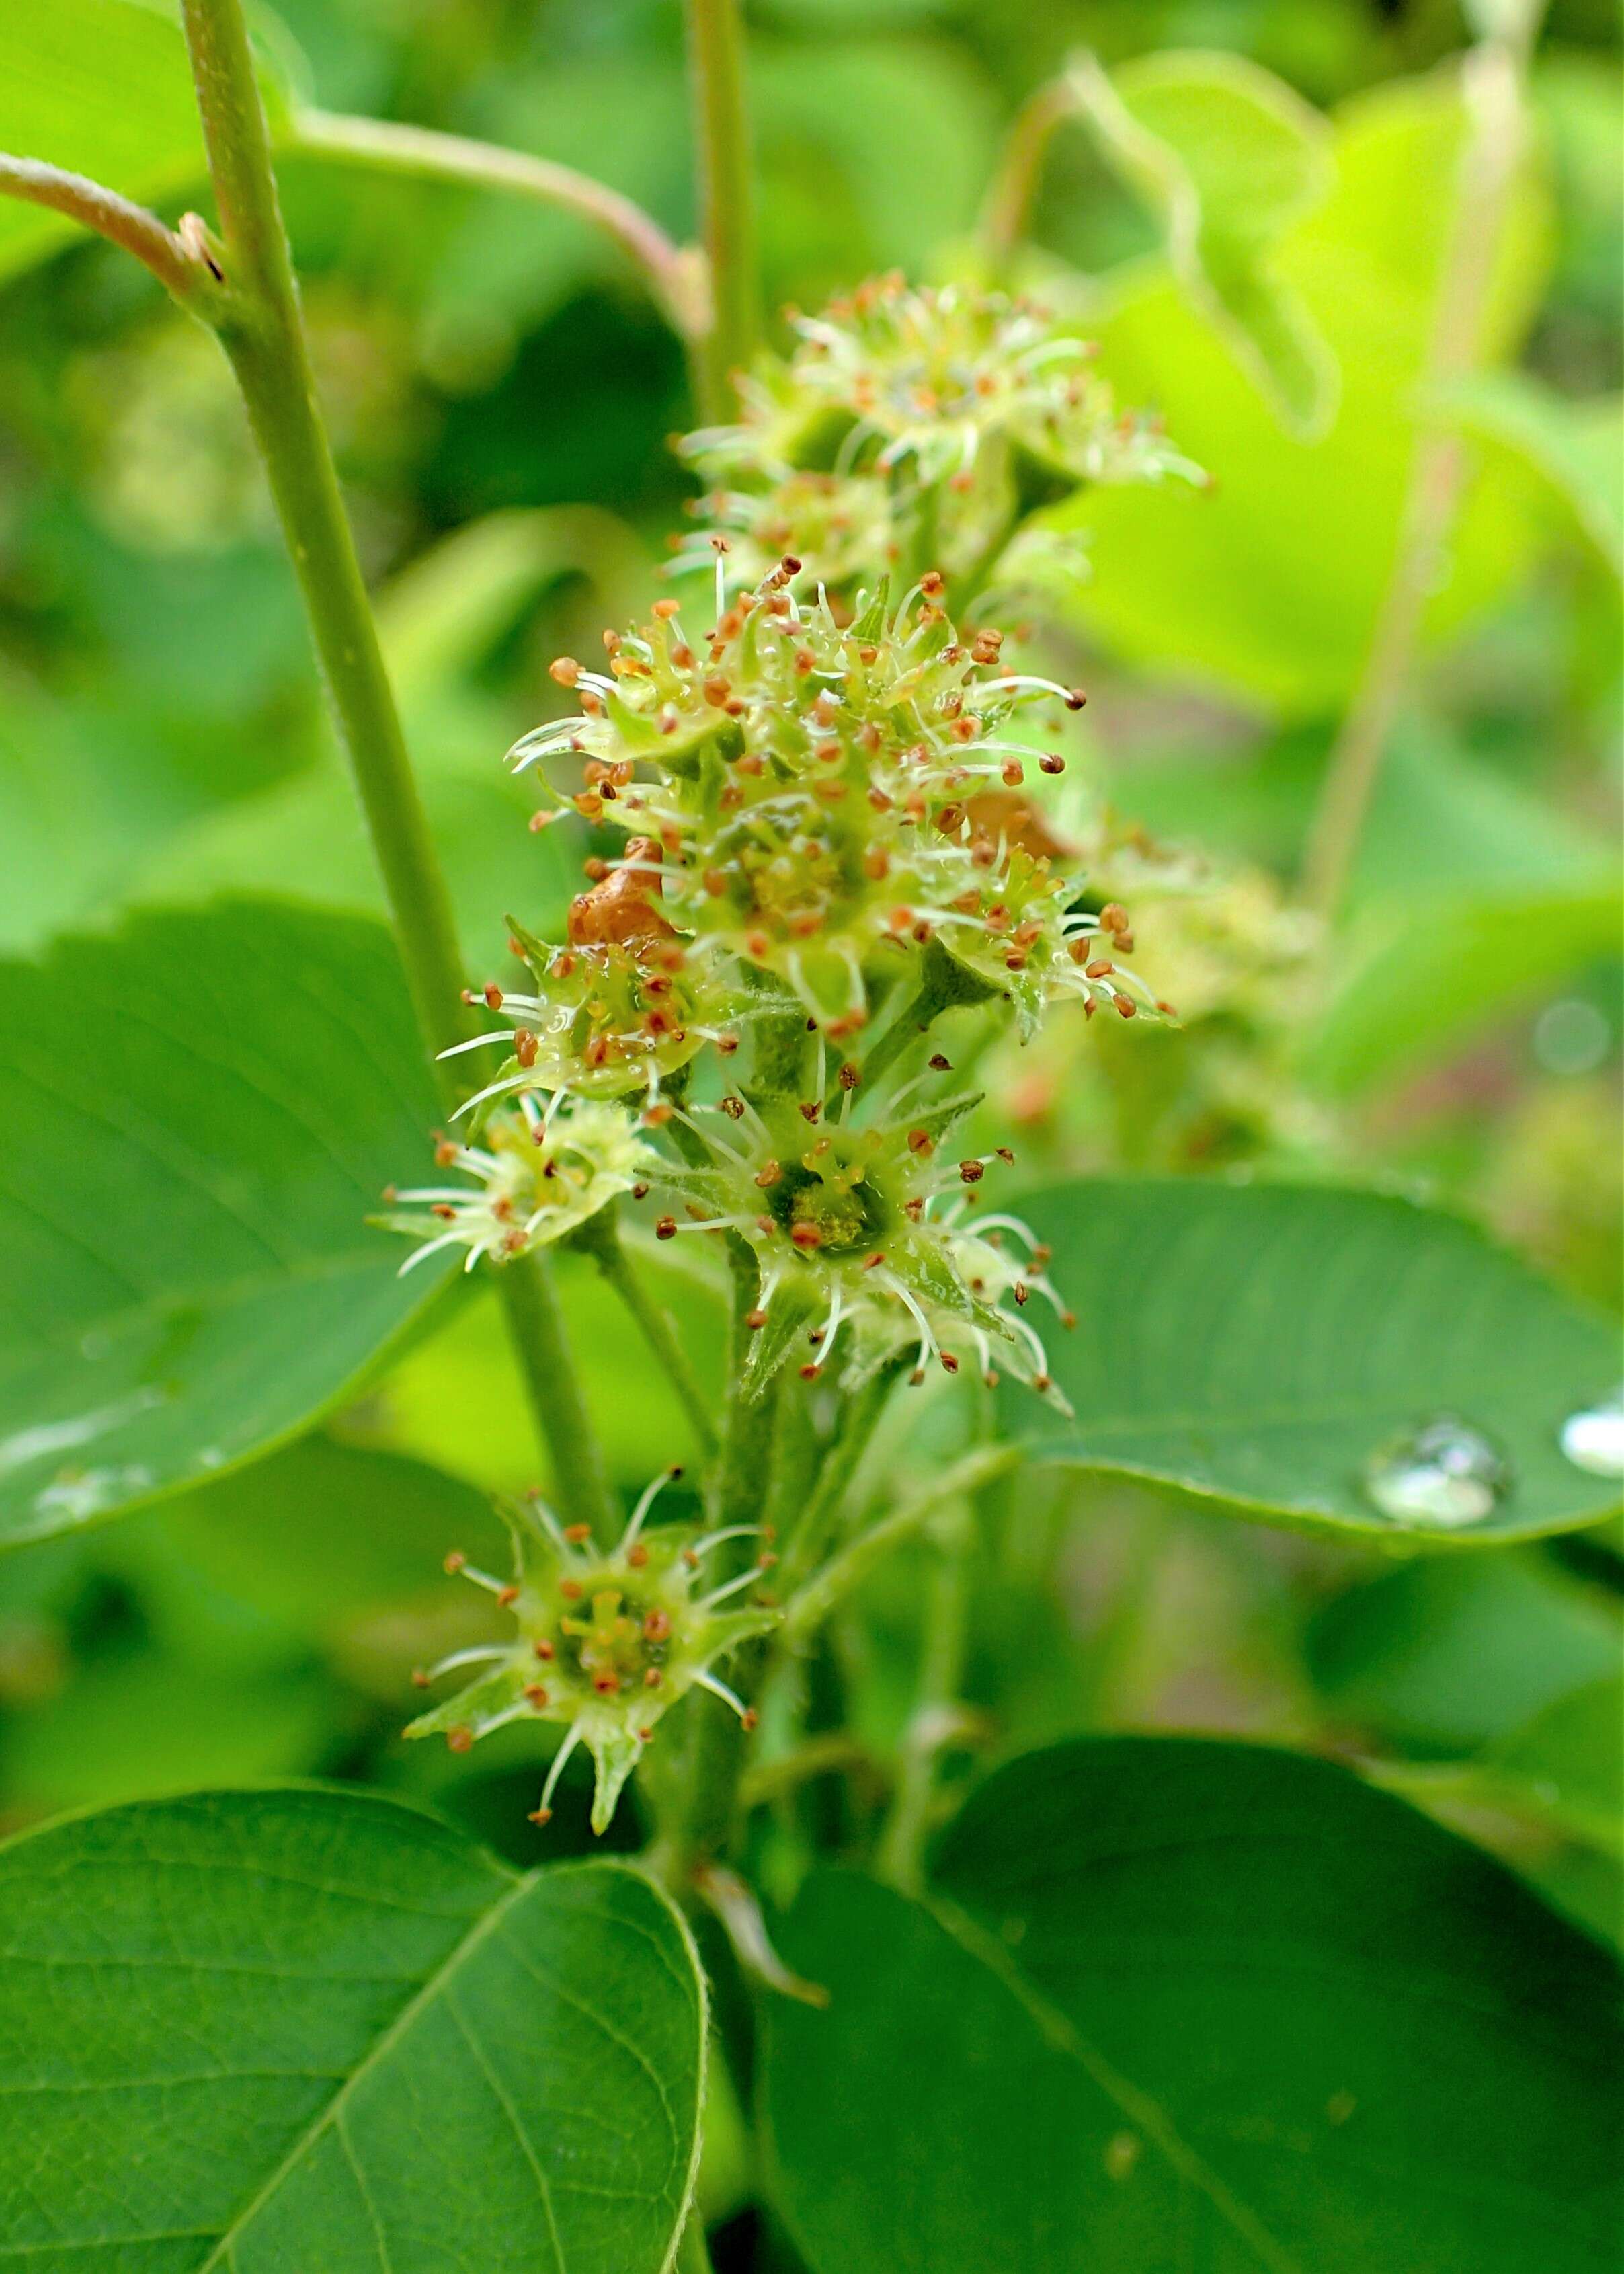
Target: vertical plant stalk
x=1007, y=213
x=726, y=196
x=262, y=332
x=1493, y=82
x=941, y=1650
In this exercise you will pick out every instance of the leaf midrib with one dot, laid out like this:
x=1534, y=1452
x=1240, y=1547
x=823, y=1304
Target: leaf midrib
x=384, y=2045
x=1140, y=2107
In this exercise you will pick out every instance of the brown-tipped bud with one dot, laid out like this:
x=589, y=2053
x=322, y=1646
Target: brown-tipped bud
x=850, y=1074
x=456, y=1562
x=933, y=584
x=665, y=1228
x=656, y=1626
x=665, y=610
x=1126, y=1008
x=950, y=1364
x=806, y=1237
x=459, y=1739
x=525, y=1047
x=971, y=1173
x=810, y=1109
x=920, y=1143
x=543, y=1651
x=1113, y=917
x=577, y=1534
x=1051, y=763
x=1011, y=773
x=768, y=1175
x=1076, y=699
x=419, y=1679
x=507, y=1597
x=876, y=864
x=565, y=670
x=539, y=1816
x=755, y=1320
x=536, y=1692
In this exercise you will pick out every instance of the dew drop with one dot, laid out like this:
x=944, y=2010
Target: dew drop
x=1443, y=1472
x=1593, y=1439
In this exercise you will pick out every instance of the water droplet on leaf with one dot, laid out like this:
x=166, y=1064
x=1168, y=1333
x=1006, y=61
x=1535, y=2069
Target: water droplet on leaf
x=1443, y=1473
x=1593, y=1439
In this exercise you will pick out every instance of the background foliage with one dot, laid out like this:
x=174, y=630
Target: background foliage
x=500, y=394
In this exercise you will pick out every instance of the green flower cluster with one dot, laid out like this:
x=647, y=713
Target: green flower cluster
x=828, y=796
x=605, y=1641
x=909, y=422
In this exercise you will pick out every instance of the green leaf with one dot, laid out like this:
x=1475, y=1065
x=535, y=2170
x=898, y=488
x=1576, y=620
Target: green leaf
x=201, y=1109
x=1430, y=975
x=1447, y=1655
x=273, y=2031
x=1572, y=447
x=1180, y=2003
x=100, y=87
x=1227, y=156
x=1270, y=583
x=1251, y=1346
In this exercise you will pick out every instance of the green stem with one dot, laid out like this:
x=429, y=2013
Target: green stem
x=1493, y=82
x=899, y=1857
x=1007, y=213
x=716, y=50
x=181, y=260
x=693, y=2252
x=600, y=1237
x=812, y=1604
x=263, y=334
x=536, y=1329
x=857, y=1426
x=673, y=274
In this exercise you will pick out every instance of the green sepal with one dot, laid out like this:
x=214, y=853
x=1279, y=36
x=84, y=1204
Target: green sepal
x=793, y=1307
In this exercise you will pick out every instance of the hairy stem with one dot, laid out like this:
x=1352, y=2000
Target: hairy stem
x=722, y=134
x=180, y=261
x=693, y=2252
x=856, y=1427
x=674, y=274
x=1007, y=213
x=812, y=1604
x=1493, y=82
x=263, y=334
x=898, y=1859
x=600, y=1237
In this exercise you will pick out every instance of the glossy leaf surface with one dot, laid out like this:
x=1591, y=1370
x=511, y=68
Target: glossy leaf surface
x=201, y=1111
x=1254, y=1346
x=268, y=2031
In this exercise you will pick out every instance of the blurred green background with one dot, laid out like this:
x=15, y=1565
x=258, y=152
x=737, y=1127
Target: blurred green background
x=502, y=396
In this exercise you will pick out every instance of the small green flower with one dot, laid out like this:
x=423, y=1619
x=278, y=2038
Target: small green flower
x=822, y=801
x=606, y=1641
x=970, y=407
x=536, y=1177
x=866, y=1238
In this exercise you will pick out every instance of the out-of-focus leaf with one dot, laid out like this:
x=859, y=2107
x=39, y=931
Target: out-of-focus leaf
x=294, y=2028
x=201, y=1111
x=1576, y=449
x=137, y=1724
x=1227, y=156
x=1427, y=975
x=457, y=1400
x=102, y=87
x=1270, y=583
x=1160, y=2009
x=1569, y=1758
x=323, y=1532
x=1254, y=1346
x=1447, y=1655
x=439, y=620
